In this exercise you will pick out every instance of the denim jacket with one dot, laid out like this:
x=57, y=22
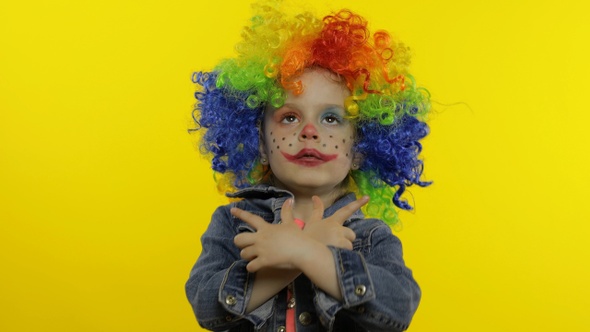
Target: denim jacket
x=379, y=292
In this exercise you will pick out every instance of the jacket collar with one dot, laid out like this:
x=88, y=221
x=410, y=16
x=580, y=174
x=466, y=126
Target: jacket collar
x=263, y=191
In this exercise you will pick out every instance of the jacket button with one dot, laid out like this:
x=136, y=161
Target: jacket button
x=231, y=300
x=360, y=290
x=305, y=318
x=281, y=329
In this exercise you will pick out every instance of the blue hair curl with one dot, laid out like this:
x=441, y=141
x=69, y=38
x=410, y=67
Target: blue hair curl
x=231, y=134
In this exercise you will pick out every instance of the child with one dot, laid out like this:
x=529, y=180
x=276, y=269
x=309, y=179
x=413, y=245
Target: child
x=309, y=113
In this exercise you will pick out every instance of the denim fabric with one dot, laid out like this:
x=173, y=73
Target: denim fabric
x=379, y=291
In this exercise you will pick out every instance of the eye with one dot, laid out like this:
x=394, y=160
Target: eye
x=289, y=118
x=331, y=119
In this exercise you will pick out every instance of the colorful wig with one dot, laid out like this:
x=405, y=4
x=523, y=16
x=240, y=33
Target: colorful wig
x=385, y=106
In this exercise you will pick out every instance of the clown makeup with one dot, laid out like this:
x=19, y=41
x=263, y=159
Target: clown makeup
x=308, y=141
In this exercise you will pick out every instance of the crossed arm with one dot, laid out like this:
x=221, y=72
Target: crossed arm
x=276, y=264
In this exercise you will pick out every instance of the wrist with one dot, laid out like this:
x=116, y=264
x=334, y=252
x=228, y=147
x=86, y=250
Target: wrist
x=310, y=251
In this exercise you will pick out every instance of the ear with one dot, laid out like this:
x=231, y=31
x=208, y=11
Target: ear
x=263, y=159
x=357, y=160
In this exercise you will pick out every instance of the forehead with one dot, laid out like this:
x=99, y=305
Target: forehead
x=319, y=84
x=321, y=87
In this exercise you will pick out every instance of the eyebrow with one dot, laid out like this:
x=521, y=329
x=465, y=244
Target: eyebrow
x=324, y=108
x=337, y=108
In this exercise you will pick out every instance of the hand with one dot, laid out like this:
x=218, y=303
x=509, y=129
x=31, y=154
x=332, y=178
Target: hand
x=272, y=245
x=330, y=231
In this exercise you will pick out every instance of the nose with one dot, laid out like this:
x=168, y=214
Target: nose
x=309, y=132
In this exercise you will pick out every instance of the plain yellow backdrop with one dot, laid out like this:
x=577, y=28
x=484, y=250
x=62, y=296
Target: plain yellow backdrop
x=103, y=198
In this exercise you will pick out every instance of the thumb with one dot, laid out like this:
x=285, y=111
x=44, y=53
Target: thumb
x=318, y=209
x=346, y=211
x=287, y=211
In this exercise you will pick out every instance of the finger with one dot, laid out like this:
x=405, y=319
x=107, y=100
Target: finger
x=346, y=211
x=287, y=211
x=318, y=209
x=243, y=240
x=253, y=266
x=349, y=234
x=247, y=217
x=248, y=253
x=347, y=245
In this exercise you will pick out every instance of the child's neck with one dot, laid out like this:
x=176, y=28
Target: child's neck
x=303, y=206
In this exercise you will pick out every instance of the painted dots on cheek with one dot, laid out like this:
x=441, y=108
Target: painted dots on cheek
x=273, y=140
x=283, y=139
x=278, y=146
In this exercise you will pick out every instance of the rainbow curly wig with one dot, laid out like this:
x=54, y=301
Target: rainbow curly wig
x=386, y=107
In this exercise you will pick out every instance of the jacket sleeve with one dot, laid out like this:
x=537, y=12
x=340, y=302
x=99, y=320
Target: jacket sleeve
x=219, y=285
x=380, y=293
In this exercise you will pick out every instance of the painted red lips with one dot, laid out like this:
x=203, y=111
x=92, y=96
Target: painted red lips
x=309, y=157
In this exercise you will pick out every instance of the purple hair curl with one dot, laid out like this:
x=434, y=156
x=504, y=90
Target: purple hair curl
x=231, y=134
x=390, y=154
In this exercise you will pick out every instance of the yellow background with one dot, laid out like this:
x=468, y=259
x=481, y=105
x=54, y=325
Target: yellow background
x=103, y=199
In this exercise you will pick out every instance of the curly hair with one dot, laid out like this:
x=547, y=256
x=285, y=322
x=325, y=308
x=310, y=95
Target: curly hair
x=385, y=106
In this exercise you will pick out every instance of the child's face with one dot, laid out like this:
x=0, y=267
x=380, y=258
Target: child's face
x=308, y=141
